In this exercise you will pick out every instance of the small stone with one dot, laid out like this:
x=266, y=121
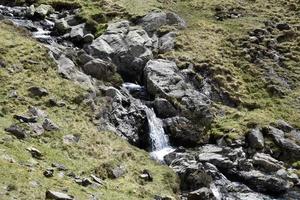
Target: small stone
x=13, y=94
x=48, y=125
x=49, y=173
x=96, y=179
x=146, y=175
x=58, y=195
x=283, y=26
x=38, y=91
x=17, y=131
x=84, y=182
x=36, y=112
x=35, y=153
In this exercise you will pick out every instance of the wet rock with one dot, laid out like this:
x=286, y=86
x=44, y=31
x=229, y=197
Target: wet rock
x=48, y=125
x=116, y=172
x=182, y=132
x=146, y=176
x=100, y=69
x=256, y=139
x=38, y=91
x=162, y=78
x=17, y=131
x=49, y=173
x=35, y=153
x=266, y=162
x=50, y=194
x=163, y=108
x=43, y=10
x=201, y=194
x=167, y=42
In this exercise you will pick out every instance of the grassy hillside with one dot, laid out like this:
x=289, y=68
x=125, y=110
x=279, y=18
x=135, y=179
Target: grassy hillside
x=26, y=64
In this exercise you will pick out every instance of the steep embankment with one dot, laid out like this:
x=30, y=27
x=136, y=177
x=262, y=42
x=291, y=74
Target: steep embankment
x=77, y=145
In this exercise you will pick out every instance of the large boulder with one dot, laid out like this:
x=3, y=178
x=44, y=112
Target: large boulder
x=100, y=69
x=183, y=132
x=163, y=108
x=128, y=47
x=163, y=78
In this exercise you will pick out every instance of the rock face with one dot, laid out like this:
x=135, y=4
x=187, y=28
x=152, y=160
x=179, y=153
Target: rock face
x=100, y=69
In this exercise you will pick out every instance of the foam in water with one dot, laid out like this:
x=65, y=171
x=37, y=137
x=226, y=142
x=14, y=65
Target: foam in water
x=160, y=144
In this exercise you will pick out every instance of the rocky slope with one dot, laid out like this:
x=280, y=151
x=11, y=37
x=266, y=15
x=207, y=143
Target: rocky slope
x=219, y=79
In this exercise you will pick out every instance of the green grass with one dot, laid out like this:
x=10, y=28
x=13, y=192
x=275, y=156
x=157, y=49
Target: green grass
x=94, y=150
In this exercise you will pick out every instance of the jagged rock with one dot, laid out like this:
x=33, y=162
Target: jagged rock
x=182, y=131
x=167, y=42
x=48, y=173
x=62, y=26
x=162, y=78
x=35, y=153
x=58, y=195
x=48, y=125
x=100, y=69
x=201, y=194
x=266, y=162
x=116, y=172
x=256, y=139
x=129, y=49
x=17, y=131
x=77, y=33
x=38, y=91
x=43, y=10
x=163, y=108
x=216, y=159
x=264, y=183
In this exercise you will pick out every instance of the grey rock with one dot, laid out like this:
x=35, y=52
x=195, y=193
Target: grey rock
x=38, y=91
x=201, y=194
x=62, y=26
x=256, y=139
x=266, y=162
x=283, y=26
x=17, y=131
x=167, y=42
x=34, y=111
x=84, y=58
x=163, y=108
x=25, y=119
x=153, y=21
x=163, y=78
x=146, y=175
x=77, y=33
x=84, y=182
x=284, y=126
x=216, y=159
x=265, y=183
x=43, y=10
x=59, y=166
x=71, y=139
x=174, y=19
x=100, y=69
x=88, y=38
x=97, y=179
x=50, y=194
x=49, y=173
x=35, y=153
x=48, y=125
x=116, y=172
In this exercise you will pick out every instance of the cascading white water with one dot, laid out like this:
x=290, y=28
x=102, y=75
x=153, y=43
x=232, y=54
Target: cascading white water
x=160, y=144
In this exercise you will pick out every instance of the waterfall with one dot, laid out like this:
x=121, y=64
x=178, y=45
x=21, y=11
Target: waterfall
x=160, y=144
